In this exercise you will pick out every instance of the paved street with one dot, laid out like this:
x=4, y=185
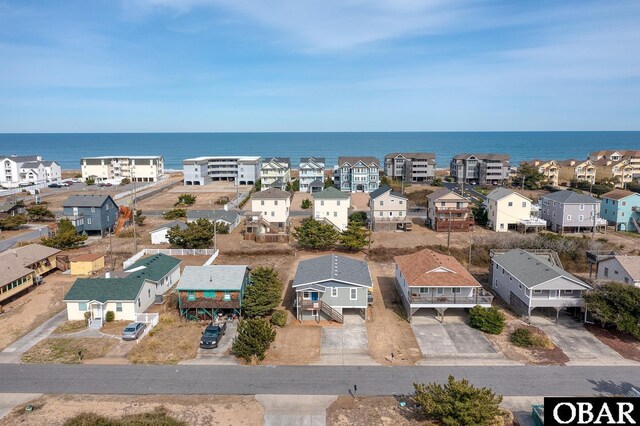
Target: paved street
x=36, y=232
x=309, y=380
x=468, y=191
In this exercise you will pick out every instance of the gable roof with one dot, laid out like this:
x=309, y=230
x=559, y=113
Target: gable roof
x=32, y=164
x=87, y=257
x=483, y=156
x=212, y=277
x=383, y=190
x=127, y=287
x=271, y=194
x=7, y=207
x=531, y=269
x=14, y=262
x=283, y=161
x=332, y=267
x=427, y=268
x=571, y=197
x=499, y=193
x=442, y=192
x=20, y=158
x=91, y=200
x=354, y=160
x=319, y=160
x=171, y=224
x=412, y=155
x=330, y=193
x=618, y=194
x=631, y=264
x=228, y=216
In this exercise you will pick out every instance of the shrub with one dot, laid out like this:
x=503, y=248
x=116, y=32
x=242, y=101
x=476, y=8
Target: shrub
x=157, y=417
x=254, y=337
x=185, y=200
x=87, y=317
x=618, y=304
x=359, y=218
x=12, y=222
x=306, y=204
x=66, y=237
x=39, y=212
x=279, y=318
x=125, y=181
x=354, y=237
x=527, y=338
x=139, y=218
x=90, y=181
x=458, y=403
x=110, y=316
x=197, y=235
x=175, y=214
x=490, y=320
x=222, y=228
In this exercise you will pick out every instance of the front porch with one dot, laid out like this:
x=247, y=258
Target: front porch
x=205, y=309
x=392, y=224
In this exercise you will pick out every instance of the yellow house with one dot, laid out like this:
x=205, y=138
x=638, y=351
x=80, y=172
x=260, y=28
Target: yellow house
x=507, y=210
x=87, y=264
x=22, y=267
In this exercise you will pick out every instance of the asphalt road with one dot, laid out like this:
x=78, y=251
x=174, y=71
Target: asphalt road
x=31, y=235
x=309, y=380
x=468, y=191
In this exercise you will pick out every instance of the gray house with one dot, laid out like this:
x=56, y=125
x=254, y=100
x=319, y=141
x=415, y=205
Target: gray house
x=410, y=166
x=527, y=280
x=91, y=213
x=328, y=285
x=568, y=211
x=229, y=217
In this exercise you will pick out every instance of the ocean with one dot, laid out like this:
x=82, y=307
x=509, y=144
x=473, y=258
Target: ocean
x=68, y=148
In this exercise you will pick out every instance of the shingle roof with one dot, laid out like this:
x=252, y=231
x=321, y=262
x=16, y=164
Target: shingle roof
x=427, y=268
x=316, y=159
x=571, y=197
x=500, y=193
x=442, y=192
x=126, y=288
x=330, y=193
x=212, y=277
x=171, y=224
x=7, y=207
x=631, y=264
x=483, y=156
x=228, y=216
x=618, y=194
x=86, y=200
x=383, y=190
x=271, y=194
x=14, y=262
x=20, y=158
x=412, y=155
x=332, y=267
x=354, y=160
x=531, y=269
x=31, y=164
x=87, y=257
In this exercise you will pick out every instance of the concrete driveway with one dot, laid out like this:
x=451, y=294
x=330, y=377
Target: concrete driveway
x=13, y=353
x=219, y=355
x=347, y=344
x=582, y=347
x=452, y=342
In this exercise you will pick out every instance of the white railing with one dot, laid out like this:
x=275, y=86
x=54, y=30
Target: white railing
x=133, y=259
x=534, y=221
x=151, y=320
x=212, y=258
x=171, y=252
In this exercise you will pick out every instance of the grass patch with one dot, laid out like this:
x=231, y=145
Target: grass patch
x=70, y=327
x=60, y=350
x=114, y=328
x=527, y=338
x=158, y=417
x=418, y=198
x=170, y=342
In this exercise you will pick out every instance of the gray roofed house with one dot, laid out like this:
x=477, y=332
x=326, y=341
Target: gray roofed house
x=357, y=174
x=171, y=224
x=527, y=280
x=410, y=166
x=88, y=200
x=383, y=190
x=330, y=193
x=354, y=160
x=11, y=209
x=311, y=174
x=271, y=194
x=204, y=292
x=91, y=213
x=316, y=159
x=480, y=168
x=328, y=287
x=570, y=197
x=569, y=211
x=230, y=217
x=159, y=235
x=499, y=193
x=21, y=158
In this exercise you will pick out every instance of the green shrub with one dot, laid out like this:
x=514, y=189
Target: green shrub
x=125, y=181
x=90, y=181
x=254, y=337
x=110, y=316
x=87, y=317
x=306, y=204
x=490, y=320
x=279, y=318
x=526, y=338
x=175, y=214
x=157, y=417
x=222, y=228
x=185, y=200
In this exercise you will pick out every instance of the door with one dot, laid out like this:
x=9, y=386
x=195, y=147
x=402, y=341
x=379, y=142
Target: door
x=96, y=311
x=553, y=294
x=314, y=296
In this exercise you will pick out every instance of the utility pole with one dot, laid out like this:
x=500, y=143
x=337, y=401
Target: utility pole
x=370, y=220
x=470, y=246
x=133, y=218
x=449, y=235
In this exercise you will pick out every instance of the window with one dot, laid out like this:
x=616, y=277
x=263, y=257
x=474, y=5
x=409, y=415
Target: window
x=456, y=290
x=626, y=280
x=191, y=295
x=138, y=302
x=568, y=217
x=82, y=307
x=524, y=204
x=227, y=295
x=209, y=294
x=381, y=213
x=502, y=226
x=554, y=214
x=275, y=203
x=567, y=291
x=273, y=214
x=606, y=272
x=119, y=307
x=400, y=202
x=107, y=206
x=148, y=292
x=306, y=295
x=439, y=291
x=424, y=290
x=510, y=204
x=322, y=202
x=382, y=203
x=353, y=294
x=581, y=207
x=537, y=291
x=93, y=209
x=581, y=217
x=334, y=291
x=335, y=214
x=337, y=203
x=88, y=221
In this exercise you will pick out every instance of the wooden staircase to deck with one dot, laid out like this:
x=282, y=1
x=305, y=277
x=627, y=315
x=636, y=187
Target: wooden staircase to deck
x=333, y=314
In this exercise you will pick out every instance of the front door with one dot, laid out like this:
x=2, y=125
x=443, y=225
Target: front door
x=553, y=294
x=96, y=311
x=314, y=296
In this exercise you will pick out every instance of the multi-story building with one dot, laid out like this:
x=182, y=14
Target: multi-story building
x=389, y=210
x=581, y=170
x=275, y=173
x=624, y=164
x=410, y=166
x=549, y=169
x=332, y=206
x=568, y=211
x=26, y=170
x=311, y=171
x=509, y=210
x=138, y=168
x=357, y=174
x=447, y=210
x=480, y=168
x=621, y=208
x=91, y=213
x=202, y=170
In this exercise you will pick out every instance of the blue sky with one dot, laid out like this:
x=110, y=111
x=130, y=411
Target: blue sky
x=330, y=65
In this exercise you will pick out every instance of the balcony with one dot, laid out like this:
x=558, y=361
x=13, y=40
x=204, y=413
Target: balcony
x=481, y=297
x=447, y=210
x=533, y=221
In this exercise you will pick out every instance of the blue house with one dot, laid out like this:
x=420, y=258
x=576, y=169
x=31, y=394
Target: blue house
x=91, y=213
x=622, y=209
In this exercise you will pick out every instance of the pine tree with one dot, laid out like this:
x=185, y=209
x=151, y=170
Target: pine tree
x=316, y=235
x=254, y=337
x=66, y=237
x=197, y=235
x=40, y=213
x=354, y=237
x=264, y=294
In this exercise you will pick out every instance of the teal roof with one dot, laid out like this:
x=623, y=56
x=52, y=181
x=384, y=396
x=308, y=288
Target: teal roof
x=126, y=288
x=330, y=193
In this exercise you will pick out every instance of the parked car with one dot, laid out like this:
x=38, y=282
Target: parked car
x=68, y=182
x=133, y=331
x=212, y=334
x=55, y=185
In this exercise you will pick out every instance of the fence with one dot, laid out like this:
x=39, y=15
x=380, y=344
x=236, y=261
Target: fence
x=138, y=189
x=23, y=189
x=151, y=320
x=211, y=259
x=172, y=252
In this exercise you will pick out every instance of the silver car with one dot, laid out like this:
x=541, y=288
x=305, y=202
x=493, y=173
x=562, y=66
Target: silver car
x=133, y=331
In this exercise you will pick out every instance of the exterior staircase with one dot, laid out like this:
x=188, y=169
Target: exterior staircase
x=636, y=224
x=333, y=314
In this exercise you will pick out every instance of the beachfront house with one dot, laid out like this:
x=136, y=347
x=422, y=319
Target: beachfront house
x=621, y=208
x=311, y=174
x=332, y=206
x=410, y=166
x=329, y=287
x=275, y=173
x=23, y=170
x=568, y=211
x=357, y=174
x=430, y=280
x=205, y=292
x=481, y=169
x=447, y=210
x=388, y=210
x=136, y=168
x=508, y=210
x=202, y=170
x=91, y=213
x=126, y=293
x=528, y=280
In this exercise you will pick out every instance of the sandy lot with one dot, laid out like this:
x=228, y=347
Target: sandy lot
x=34, y=308
x=166, y=200
x=360, y=201
x=372, y=411
x=295, y=344
x=388, y=330
x=296, y=201
x=194, y=410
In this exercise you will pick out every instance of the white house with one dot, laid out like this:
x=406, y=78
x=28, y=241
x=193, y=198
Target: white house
x=159, y=234
x=388, y=210
x=274, y=205
x=201, y=170
x=332, y=206
x=138, y=168
x=311, y=171
x=508, y=210
x=275, y=173
x=124, y=293
x=620, y=268
x=27, y=170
